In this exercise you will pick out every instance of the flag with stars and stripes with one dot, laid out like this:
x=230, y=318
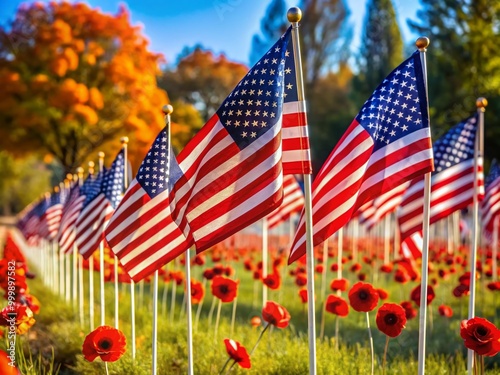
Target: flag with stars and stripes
x=490, y=206
x=231, y=172
x=375, y=210
x=141, y=232
x=452, y=183
x=51, y=218
x=293, y=201
x=387, y=144
x=71, y=211
x=95, y=214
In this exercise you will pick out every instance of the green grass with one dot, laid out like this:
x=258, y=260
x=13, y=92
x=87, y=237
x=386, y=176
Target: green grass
x=56, y=339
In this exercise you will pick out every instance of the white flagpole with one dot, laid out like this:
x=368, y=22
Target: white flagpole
x=495, y=249
x=387, y=238
x=422, y=44
x=101, y=253
x=265, y=255
x=124, y=141
x=481, y=104
x=294, y=15
x=91, y=270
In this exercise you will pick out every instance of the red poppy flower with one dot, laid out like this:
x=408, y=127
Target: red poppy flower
x=319, y=268
x=301, y=279
x=197, y=292
x=248, y=265
x=339, y=284
x=334, y=267
x=361, y=276
x=225, y=289
x=461, y=290
x=410, y=312
x=105, y=342
x=257, y=274
x=355, y=267
x=481, y=336
x=275, y=314
x=401, y=277
x=445, y=310
x=228, y=271
x=415, y=295
x=255, y=321
x=199, y=259
x=272, y=281
x=23, y=317
x=303, y=295
x=383, y=294
x=391, y=319
x=208, y=274
x=363, y=297
x=386, y=268
x=238, y=353
x=5, y=365
x=336, y=305
x=218, y=269
x=494, y=285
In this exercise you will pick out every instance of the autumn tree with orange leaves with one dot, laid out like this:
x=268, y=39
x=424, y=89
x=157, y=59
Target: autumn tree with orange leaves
x=74, y=80
x=203, y=79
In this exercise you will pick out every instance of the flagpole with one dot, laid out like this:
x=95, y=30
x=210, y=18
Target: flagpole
x=294, y=15
x=422, y=44
x=124, y=141
x=481, y=104
x=91, y=270
x=495, y=249
x=265, y=255
x=101, y=252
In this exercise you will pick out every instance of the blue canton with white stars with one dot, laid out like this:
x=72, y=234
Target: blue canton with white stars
x=456, y=146
x=494, y=173
x=256, y=104
x=112, y=183
x=91, y=188
x=398, y=106
x=153, y=173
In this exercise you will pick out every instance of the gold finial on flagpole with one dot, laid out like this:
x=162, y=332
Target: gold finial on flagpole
x=56, y=189
x=91, y=167
x=294, y=14
x=79, y=170
x=124, y=140
x=167, y=109
x=481, y=104
x=100, y=154
x=422, y=43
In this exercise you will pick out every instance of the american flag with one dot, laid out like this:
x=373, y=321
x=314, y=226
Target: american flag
x=387, y=144
x=375, y=210
x=95, y=215
x=71, y=211
x=490, y=206
x=452, y=182
x=411, y=247
x=51, y=218
x=141, y=232
x=231, y=172
x=293, y=201
x=29, y=218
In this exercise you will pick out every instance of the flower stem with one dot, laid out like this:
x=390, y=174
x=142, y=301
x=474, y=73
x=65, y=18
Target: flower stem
x=217, y=319
x=233, y=317
x=371, y=342
x=230, y=368
x=385, y=354
x=260, y=337
x=107, y=370
x=223, y=367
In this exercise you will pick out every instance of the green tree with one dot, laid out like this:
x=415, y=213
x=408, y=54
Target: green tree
x=272, y=26
x=381, y=47
x=463, y=63
x=325, y=34
x=17, y=174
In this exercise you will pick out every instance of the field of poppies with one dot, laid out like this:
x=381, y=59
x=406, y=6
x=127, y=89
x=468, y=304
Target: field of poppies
x=234, y=332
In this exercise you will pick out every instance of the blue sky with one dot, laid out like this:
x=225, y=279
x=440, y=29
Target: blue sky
x=220, y=25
